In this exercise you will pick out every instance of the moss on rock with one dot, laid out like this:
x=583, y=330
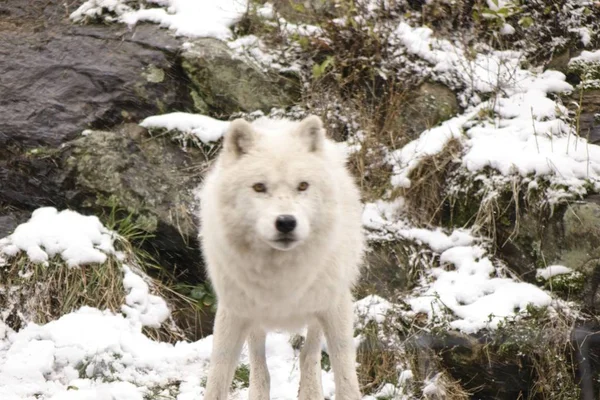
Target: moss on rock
x=223, y=84
x=150, y=179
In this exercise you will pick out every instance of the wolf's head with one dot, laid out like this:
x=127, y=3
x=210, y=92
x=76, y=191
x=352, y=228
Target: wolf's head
x=277, y=186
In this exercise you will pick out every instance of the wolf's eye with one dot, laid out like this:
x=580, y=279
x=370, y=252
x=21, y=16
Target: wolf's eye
x=303, y=186
x=259, y=187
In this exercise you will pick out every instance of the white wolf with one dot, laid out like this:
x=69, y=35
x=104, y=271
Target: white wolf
x=282, y=238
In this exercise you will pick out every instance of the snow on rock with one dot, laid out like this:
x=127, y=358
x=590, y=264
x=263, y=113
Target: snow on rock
x=371, y=308
x=148, y=309
x=205, y=128
x=587, y=56
x=467, y=283
x=78, y=239
x=192, y=18
x=519, y=131
x=553, y=270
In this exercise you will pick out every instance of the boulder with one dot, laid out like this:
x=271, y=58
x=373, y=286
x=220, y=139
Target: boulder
x=223, y=84
x=149, y=178
x=425, y=107
x=60, y=81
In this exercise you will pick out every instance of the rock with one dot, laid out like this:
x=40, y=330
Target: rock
x=430, y=104
x=150, y=178
x=10, y=220
x=58, y=78
x=475, y=361
x=570, y=237
x=589, y=119
x=223, y=84
x=560, y=60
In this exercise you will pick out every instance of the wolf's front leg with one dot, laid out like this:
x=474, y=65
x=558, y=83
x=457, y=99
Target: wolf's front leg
x=311, y=387
x=228, y=338
x=338, y=327
x=259, y=373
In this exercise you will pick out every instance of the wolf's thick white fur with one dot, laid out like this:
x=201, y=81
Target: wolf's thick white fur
x=265, y=279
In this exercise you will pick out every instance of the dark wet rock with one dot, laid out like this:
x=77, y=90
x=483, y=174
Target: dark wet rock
x=390, y=269
x=476, y=362
x=57, y=80
x=569, y=237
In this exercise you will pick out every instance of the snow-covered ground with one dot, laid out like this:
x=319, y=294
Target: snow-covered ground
x=102, y=355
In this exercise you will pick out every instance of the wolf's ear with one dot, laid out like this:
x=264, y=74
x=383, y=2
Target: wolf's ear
x=312, y=133
x=239, y=138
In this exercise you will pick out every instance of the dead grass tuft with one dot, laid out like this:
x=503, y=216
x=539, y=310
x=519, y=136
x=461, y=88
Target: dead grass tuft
x=428, y=181
x=378, y=362
x=39, y=293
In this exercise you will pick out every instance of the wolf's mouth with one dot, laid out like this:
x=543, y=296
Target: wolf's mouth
x=285, y=240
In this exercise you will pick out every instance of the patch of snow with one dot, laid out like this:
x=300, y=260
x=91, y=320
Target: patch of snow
x=371, y=309
x=436, y=239
x=553, y=270
x=192, y=18
x=252, y=47
x=496, y=5
x=507, y=29
x=266, y=11
x=432, y=387
x=405, y=376
x=205, y=128
x=585, y=34
x=388, y=391
x=92, y=354
x=76, y=238
x=378, y=214
x=520, y=130
x=140, y=305
x=587, y=57
x=467, y=282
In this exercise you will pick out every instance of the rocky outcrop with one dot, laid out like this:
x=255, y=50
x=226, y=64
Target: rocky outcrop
x=426, y=106
x=57, y=83
x=223, y=84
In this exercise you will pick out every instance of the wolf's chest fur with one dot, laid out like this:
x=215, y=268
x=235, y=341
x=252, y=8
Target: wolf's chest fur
x=274, y=291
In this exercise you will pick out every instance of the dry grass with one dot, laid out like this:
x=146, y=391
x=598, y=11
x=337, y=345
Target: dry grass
x=428, y=183
x=378, y=363
x=41, y=293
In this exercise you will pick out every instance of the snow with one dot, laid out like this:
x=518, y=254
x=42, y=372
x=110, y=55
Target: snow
x=521, y=130
x=467, y=283
x=76, y=238
x=496, y=5
x=192, y=18
x=507, y=29
x=371, y=309
x=148, y=309
x=90, y=354
x=93, y=354
x=205, y=128
x=553, y=270
x=585, y=35
x=587, y=56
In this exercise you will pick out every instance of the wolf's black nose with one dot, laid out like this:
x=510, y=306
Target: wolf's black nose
x=285, y=223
